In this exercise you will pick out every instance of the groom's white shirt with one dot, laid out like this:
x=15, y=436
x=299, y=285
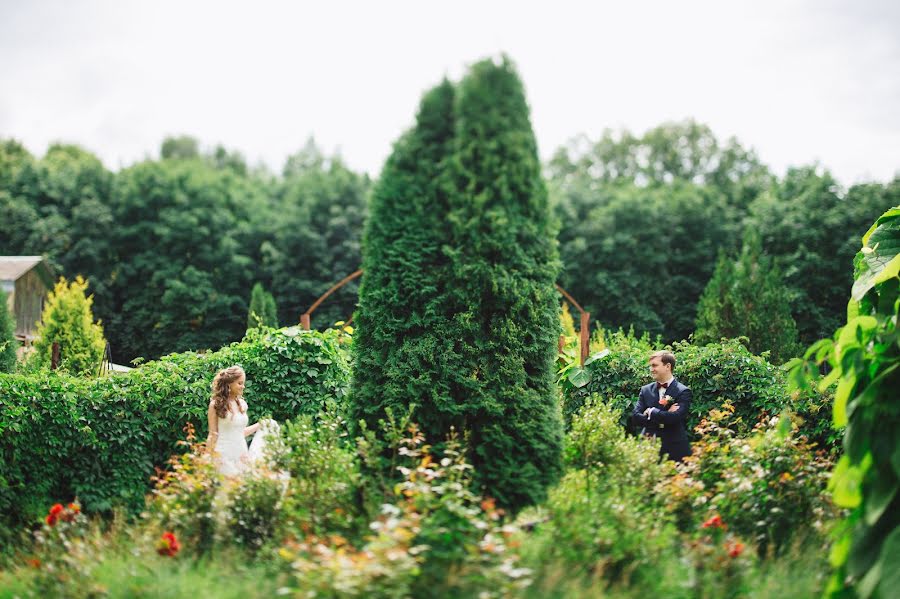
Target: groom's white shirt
x=661, y=392
x=666, y=390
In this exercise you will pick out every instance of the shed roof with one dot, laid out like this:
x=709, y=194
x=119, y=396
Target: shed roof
x=13, y=267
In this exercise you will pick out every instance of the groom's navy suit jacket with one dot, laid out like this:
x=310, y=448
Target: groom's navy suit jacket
x=670, y=427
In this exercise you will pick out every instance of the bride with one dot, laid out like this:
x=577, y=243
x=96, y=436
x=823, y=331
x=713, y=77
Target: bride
x=228, y=424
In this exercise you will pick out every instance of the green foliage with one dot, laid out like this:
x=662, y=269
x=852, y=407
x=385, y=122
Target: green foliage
x=501, y=299
x=812, y=229
x=604, y=520
x=679, y=151
x=8, y=342
x=171, y=246
x=61, y=547
x=316, y=236
x=624, y=359
x=458, y=312
x=68, y=320
x=253, y=509
x=747, y=299
x=643, y=218
x=716, y=373
x=263, y=312
x=640, y=256
x=324, y=471
x=180, y=147
x=18, y=215
x=183, y=499
x=865, y=359
x=59, y=207
x=403, y=336
x=461, y=537
x=767, y=486
x=186, y=250
x=597, y=443
x=100, y=439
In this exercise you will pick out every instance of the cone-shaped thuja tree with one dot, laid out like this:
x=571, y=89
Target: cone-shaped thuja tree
x=747, y=298
x=263, y=310
x=401, y=327
x=458, y=313
x=504, y=305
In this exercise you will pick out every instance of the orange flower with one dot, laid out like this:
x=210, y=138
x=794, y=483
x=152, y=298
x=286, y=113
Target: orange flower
x=714, y=522
x=168, y=545
x=34, y=562
x=735, y=549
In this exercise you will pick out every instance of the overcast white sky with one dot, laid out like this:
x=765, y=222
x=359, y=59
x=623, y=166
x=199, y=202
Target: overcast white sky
x=799, y=81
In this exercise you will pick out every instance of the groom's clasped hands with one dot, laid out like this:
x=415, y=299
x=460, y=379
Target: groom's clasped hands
x=672, y=408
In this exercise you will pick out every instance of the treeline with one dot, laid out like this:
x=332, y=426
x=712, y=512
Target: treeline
x=645, y=219
x=172, y=246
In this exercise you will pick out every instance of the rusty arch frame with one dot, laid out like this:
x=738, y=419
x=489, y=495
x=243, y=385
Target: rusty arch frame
x=584, y=333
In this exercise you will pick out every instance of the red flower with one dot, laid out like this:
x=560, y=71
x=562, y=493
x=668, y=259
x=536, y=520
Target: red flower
x=168, y=545
x=714, y=522
x=735, y=549
x=54, y=513
x=34, y=562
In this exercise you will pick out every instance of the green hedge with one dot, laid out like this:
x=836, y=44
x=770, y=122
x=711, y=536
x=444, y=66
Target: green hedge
x=100, y=439
x=716, y=373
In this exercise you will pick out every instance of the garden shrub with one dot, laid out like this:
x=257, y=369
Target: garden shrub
x=765, y=486
x=716, y=373
x=324, y=476
x=604, y=520
x=100, y=439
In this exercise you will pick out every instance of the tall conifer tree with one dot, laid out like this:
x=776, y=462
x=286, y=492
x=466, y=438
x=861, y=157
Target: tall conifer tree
x=746, y=297
x=504, y=307
x=402, y=337
x=458, y=312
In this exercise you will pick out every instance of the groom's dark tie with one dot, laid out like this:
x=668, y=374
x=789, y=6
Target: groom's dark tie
x=661, y=386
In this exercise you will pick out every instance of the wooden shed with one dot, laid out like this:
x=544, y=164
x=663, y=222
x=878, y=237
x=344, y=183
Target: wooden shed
x=26, y=280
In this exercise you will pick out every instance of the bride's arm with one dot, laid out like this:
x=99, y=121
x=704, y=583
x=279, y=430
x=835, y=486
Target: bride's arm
x=213, y=427
x=251, y=429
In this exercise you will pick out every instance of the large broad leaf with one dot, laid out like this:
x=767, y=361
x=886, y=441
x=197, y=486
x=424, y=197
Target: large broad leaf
x=890, y=563
x=846, y=483
x=579, y=377
x=839, y=412
x=880, y=253
x=869, y=582
x=895, y=460
x=882, y=492
x=597, y=356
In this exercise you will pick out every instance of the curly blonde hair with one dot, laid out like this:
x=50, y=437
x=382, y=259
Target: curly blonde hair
x=221, y=389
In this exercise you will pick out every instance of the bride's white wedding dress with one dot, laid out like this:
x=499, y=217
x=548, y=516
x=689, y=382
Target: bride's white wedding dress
x=231, y=445
x=268, y=430
x=234, y=457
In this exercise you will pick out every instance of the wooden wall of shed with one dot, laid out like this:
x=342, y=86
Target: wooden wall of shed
x=29, y=302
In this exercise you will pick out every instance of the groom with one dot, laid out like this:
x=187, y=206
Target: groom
x=662, y=407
